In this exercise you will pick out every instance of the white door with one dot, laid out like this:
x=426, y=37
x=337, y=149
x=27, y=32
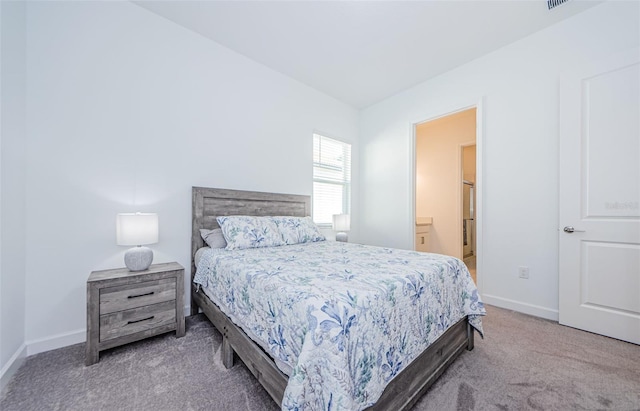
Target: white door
x=600, y=197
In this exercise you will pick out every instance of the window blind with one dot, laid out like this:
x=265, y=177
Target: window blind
x=331, y=179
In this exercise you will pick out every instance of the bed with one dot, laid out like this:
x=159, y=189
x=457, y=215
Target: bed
x=403, y=384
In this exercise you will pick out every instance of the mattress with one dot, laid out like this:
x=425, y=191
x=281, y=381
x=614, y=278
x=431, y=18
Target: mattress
x=340, y=319
x=198, y=256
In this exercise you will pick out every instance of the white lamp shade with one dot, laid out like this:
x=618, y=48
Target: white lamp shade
x=341, y=222
x=136, y=228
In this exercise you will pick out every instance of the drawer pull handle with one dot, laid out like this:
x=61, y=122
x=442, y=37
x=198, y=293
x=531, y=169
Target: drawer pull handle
x=144, y=319
x=141, y=295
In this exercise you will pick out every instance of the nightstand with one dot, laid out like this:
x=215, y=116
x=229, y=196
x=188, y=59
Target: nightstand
x=125, y=306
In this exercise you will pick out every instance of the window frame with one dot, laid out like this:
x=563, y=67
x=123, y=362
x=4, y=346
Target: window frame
x=345, y=183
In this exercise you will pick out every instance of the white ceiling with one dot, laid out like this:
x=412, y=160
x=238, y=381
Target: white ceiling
x=361, y=52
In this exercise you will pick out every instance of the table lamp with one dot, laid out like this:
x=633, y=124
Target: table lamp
x=341, y=224
x=137, y=229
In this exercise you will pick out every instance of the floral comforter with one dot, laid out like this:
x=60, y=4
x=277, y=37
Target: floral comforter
x=340, y=319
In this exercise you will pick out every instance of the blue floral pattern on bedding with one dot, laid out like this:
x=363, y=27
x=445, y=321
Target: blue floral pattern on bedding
x=341, y=319
x=297, y=230
x=249, y=232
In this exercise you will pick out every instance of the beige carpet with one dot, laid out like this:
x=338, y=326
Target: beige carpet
x=524, y=363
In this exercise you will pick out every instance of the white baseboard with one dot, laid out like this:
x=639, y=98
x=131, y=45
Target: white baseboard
x=535, y=310
x=55, y=341
x=10, y=368
x=61, y=340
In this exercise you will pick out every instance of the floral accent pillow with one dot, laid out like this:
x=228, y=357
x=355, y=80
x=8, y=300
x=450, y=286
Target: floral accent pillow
x=296, y=230
x=249, y=232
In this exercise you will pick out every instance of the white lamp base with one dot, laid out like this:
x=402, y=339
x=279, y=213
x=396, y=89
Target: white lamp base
x=341, y=236
x=138, y=258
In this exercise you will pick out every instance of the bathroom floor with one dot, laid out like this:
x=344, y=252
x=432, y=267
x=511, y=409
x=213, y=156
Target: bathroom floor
x=471, y=265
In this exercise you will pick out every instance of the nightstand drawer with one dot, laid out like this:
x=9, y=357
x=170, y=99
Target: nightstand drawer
x=131, y=321
x=129, y=296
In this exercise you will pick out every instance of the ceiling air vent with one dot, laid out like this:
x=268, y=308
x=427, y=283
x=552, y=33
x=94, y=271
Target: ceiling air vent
x=555, y=3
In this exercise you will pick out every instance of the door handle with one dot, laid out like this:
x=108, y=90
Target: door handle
x=569, y=229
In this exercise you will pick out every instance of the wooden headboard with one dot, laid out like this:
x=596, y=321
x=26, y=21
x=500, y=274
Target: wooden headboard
x=209, y=203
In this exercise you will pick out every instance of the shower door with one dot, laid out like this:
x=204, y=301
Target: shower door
x=468, y=220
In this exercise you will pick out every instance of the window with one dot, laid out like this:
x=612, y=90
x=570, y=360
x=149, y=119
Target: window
x=331, y=179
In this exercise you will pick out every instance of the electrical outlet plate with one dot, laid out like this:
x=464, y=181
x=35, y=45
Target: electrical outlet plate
x=523, y=272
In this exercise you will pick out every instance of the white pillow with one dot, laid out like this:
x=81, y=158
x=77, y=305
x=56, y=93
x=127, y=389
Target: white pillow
x=213, y=238
x=249, y=232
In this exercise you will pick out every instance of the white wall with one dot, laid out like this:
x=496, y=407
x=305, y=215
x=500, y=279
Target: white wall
x=12, y=188
x=519, y=87
x=126, y=112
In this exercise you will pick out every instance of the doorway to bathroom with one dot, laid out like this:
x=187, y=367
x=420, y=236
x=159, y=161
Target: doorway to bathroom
x=447, y=186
